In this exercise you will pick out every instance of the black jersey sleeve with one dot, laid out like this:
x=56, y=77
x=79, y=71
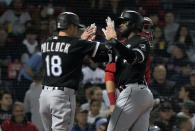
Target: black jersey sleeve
x=88, y=47
x=104, y=54
x=98, y=51
x=132, y=55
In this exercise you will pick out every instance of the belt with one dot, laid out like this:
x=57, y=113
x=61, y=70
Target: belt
x=142, y=82
x=65, y=89
x=122, y=87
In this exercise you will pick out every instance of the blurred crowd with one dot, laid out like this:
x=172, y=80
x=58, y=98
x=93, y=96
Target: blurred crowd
x=24, y=24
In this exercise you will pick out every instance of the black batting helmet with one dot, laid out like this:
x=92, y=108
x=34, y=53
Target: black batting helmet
x=133, y=19
x=67, y=18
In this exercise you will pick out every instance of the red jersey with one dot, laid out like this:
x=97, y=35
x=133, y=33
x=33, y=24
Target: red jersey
x=9, y=125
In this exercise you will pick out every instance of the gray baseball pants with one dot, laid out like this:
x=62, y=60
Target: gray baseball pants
x=57, y=109
x=132, y=109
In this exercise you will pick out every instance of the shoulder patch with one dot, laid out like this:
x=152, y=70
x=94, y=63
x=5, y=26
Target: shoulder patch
x=143, y=47
x=128, y=46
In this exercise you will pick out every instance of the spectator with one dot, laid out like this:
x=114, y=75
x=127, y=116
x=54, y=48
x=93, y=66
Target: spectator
x=183, y=124
x=160, y=86
x=29, y=25
x=15, y=18
x=183, y=36
x=78, y=103
x=18, y=121
x=3, y=45
x=6, y=105
x=188, y=109
x=155, y=19
x=94, y=112
x=192, y=78
x=31, y=101
x=160, y=45
x=182, y=78
x=93, y=74
x=51, y=29
x=96, y=93
x=171, y=27
x=154, y=115
x=29, y=45
x=32, y=66
x=41, y=18
x=175, y=62
x=7, y=48
x=81, y=121
x=88, y=91
x=5, y=53
x=166, y=117
x=186, y=93
x=101, y=124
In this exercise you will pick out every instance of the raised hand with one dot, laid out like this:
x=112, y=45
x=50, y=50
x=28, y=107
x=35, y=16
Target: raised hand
x=109, y=32
x=109, y=22
x=90, y=31
x=92, y=37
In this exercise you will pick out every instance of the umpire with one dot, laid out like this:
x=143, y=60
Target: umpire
x=62, y=57
x=133, y=106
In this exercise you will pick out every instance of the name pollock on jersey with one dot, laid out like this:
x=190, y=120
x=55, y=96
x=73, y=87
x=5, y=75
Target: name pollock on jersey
x=55, y=47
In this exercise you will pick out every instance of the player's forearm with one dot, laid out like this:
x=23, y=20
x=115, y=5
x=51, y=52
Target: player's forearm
x=110, y=88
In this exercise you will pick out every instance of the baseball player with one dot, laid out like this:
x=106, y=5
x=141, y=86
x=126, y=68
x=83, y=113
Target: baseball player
x=110, y=69
x=133, y=106
x=62, y=57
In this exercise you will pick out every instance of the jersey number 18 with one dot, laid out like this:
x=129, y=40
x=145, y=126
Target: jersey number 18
x=53, y=65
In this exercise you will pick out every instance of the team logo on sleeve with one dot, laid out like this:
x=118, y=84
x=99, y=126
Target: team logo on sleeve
x=143, y=47
x=128, y=46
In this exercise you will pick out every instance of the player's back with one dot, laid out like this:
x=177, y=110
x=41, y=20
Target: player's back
x=62, y=60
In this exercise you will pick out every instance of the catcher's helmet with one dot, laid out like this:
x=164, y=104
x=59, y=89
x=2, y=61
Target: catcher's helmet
x=148, y=28
x=148, y=24
x=66, y=18
x=134, y=20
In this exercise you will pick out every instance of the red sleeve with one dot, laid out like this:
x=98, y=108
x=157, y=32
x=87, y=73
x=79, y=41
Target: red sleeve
x=109, y=72
x=111, y=67
x=35, y=128
x=5, y=125
x=31, y=126
x=147, y=73
x=109, y=76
